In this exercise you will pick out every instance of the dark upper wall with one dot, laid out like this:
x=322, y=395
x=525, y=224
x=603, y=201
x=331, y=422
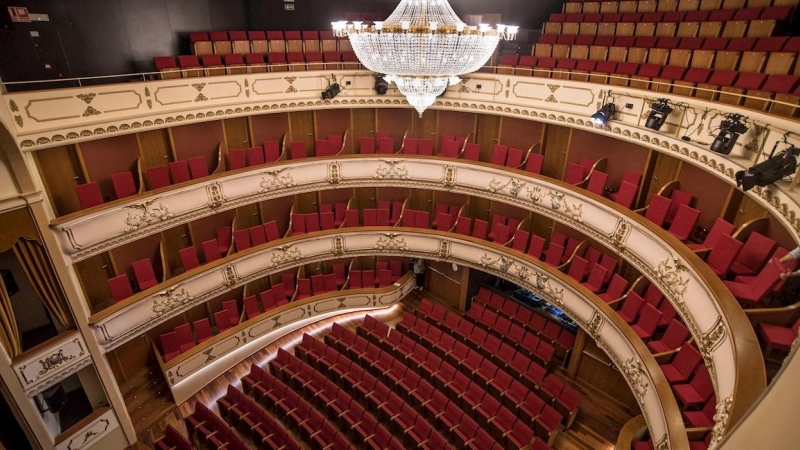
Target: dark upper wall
x=107, y=37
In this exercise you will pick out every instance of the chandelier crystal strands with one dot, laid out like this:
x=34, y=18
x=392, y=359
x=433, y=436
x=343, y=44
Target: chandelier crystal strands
x=422, y=47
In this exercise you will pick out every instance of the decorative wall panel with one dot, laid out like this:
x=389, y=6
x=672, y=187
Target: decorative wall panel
x=49, y=365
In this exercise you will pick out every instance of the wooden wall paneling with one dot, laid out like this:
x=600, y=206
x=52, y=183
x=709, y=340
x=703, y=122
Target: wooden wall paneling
x=314, y=269
x=666, y=169
x=247, y=216
x=487, y=134
x=519, y=133
x=306, y=203
x=647, y=177
x=331, y=121
x=480, y=208
x=277, y=210
x=301, y=129
x=146, y=247
x=730, y=211
x=268, y=127
x=426, y=127
x=335, y=196
x=450, y=198
x=205, y=229
x=509, y=210
x=457, y=123
x=449, y=285
x=364, y=197
x=555, y=147
x=542, y=226
x=597, y=371
x=748, y=210
x=710, y=193
x=622, y=156
x=421, y=200
x=103, y=157
x=237, y=133
x=394, y=194
x=173, y=240
x=92, y=275
x=577, y=353
x=396, y=122
x=155, y=148
x=196, y=313
x=116, y=367
x=198, y=139
x=60, y=171
x=362, y=124
x=257, y=286
x=133, y=355
x=215, y=304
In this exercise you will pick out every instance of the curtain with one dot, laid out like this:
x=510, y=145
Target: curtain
x=34, y=261
x=9, y=334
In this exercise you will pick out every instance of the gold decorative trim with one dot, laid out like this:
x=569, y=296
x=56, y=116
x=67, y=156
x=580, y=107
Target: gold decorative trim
x=146, y=215
x=274, y=180
x=173, y=298
x=392, y=169
x=391, y=241
x=721, y=419
x=633, y=370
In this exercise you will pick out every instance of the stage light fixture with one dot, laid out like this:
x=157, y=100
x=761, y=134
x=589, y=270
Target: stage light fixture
x=333, y=89
x=604, y=114
x=729, y=131
x=769, y=171
x=658, y=114
x=381, y=85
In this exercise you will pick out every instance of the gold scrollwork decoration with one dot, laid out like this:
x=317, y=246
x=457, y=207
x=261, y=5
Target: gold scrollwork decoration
x=146, y=214
x=334, y=173
x=53, y=361
x=215, y=197
x=444, y=249
x=633, y=371
x=391, y=241
x=284, y=254
x=172, y=298
x=620, y=234
x=391, y=169
x=337, y=247
x=274, y=180
x=721, y=419
x=668, y=272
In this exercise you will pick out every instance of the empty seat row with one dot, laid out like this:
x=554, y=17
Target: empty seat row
x=241, y=42
x=120, y=285
x=765, y=44
x=189, y=66
x=268, y=152
x=623, y=6
x=211, y=431
x=252, y=420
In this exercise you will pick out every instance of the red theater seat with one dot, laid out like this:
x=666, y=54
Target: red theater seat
x=145, y=276
x=89, y=194
x=124, y=185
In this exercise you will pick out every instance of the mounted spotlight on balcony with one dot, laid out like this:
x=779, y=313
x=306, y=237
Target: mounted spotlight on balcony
x=658, y=114
x=769, y=171
x=332, y=90
x=729, y=131
x=381, y=85
x=604, y=114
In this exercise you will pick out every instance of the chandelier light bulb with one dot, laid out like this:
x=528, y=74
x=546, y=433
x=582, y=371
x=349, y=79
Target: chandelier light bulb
x=422, y=47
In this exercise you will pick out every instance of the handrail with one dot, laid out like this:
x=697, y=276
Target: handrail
x=144, y=77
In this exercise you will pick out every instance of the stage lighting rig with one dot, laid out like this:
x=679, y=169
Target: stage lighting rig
x=658, y=114
x=333, y=89
x=729, y=131
x=381, y=85
x=604, y=114
x=769, y=171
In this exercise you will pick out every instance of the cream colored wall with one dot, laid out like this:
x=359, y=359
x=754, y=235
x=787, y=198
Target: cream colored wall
x=773, y=423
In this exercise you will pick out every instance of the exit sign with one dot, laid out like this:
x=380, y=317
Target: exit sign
x=288, y=7
x=19, y=14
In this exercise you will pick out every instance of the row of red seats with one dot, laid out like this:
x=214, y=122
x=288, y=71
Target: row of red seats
x=120, y=285
x=779, y=13
x=223, y=42
x=124, y=186
x=645, y=315
x=463, y=401
x=504, y=230
x=213, y=249
x=573, y=6
x=310, y=222
x=236, y=64
x=210, y=430
x=268, y=390
x=252, y=420
x=182, y=339
x=475, y=379
x=413, y=429
x=173, y=440
x=268, y=152
x=389, y=272
x=497, y=314
x=718, y=44
x=501, y=374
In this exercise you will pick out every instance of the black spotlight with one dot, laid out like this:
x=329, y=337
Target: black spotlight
x=769, y=171
x=332, y=91
x=381, y=85
x=604, y=114
x=658, y=115
x=729, y=131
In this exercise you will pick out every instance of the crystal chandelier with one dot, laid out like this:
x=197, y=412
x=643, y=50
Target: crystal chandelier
x=422, y=47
